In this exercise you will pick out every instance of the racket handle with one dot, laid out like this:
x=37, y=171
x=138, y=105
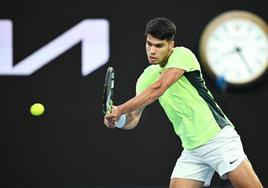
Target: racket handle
x=121, y=121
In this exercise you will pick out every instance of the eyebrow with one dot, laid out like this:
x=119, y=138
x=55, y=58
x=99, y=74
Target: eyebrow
x=156, y=44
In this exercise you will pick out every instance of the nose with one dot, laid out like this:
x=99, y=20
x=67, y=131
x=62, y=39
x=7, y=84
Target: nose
x=152, y=50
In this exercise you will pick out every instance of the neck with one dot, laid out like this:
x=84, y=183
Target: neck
x=164, y=62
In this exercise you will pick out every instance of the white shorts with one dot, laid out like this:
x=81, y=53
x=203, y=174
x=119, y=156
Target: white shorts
x=221, y=154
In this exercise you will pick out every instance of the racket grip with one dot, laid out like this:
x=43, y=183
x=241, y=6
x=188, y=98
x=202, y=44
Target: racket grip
x=121, y=121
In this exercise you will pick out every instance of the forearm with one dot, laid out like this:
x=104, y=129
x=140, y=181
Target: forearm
x=153, y=92
x=132, y=119
x=143, y=99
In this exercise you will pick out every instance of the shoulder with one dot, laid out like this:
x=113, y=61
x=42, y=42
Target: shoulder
x=151, y=70
x=148, y=76
x=182, y=51
x=150, y=73
x=183, y=58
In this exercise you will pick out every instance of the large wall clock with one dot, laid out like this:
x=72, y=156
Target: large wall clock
x=234, y=45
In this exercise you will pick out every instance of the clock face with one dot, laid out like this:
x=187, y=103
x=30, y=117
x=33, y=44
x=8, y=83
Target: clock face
x=235, y=46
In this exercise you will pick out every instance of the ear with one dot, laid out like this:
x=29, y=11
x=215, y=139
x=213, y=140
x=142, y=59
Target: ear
x=171, y=45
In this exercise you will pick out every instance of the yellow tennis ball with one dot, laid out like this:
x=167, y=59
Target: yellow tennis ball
x=37, y=109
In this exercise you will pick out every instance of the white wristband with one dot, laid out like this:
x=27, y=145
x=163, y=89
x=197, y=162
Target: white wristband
x=121, y=121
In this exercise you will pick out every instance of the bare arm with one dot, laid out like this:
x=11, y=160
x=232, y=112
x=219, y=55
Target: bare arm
x=132, y=119
x=153, y=92
x=149, y=95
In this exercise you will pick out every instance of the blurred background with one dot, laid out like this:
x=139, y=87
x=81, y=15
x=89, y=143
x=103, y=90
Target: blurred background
x=68, y=146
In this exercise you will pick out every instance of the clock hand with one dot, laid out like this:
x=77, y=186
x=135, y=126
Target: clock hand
x=229, y=52
x=239, y=52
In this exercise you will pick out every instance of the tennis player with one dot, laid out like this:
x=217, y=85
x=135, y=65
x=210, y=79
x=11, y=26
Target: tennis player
x=210, y=142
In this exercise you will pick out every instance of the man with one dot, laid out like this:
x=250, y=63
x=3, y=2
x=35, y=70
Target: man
x=209, y=139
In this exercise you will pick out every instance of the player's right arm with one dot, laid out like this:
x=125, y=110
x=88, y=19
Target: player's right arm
x=148, y=95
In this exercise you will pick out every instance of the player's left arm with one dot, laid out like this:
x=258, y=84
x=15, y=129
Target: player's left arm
x=149, y=95
x=131, y=121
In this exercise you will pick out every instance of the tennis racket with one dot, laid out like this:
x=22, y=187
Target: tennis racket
x=108, y=91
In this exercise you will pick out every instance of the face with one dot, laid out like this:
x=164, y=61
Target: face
x=158, y=50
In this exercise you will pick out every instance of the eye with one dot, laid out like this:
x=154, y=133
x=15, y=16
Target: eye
x=148, y=43
x=159, y=45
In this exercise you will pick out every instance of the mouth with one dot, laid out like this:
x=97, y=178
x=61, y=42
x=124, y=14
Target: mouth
x=152, y=59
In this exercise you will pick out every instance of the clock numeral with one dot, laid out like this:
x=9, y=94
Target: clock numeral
x=259, y=62
x=237, y=28
x=259, y=37
x=225, y=28
x=216, y=37
x=262, y=50
x=249, y=28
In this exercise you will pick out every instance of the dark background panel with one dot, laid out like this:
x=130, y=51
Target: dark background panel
x=68, y=145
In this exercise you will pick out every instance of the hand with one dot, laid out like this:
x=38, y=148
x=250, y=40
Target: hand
x=109, y=124
x=111, y=117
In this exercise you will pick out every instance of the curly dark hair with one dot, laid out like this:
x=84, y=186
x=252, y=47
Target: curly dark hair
x=161, y=28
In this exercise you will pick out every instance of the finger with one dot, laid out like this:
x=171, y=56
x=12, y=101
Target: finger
x=109, y=116
x=109, y=124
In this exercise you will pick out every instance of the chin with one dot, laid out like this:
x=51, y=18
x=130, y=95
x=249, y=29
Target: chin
x=153, y=62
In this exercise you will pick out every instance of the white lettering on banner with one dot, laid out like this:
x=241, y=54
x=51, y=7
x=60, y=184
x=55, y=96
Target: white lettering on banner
x=92, y=33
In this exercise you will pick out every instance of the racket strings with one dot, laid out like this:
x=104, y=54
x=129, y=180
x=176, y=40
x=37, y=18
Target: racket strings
x=108, y=90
